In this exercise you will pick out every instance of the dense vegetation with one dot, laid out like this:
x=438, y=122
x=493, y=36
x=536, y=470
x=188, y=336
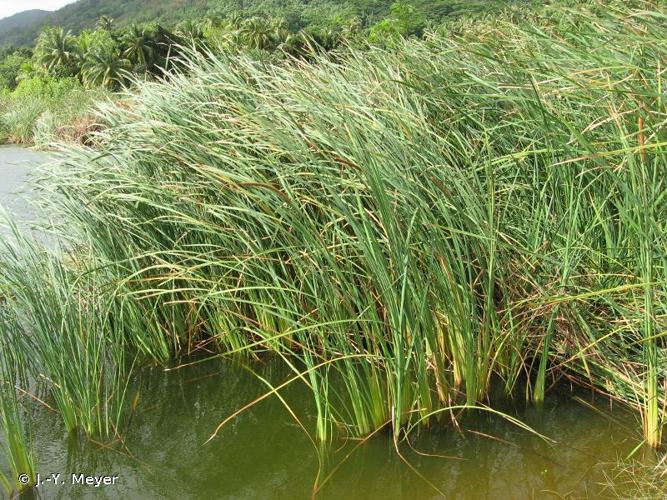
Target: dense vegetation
x=298, y=14
x=114, y=55
x=417, y=221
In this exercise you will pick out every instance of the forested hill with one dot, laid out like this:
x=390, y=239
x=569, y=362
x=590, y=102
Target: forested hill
x=20, y=21
x=298, y=13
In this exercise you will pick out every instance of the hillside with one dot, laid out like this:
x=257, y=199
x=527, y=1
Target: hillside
x=85, y=13
x=22, y=20
x=298, y=13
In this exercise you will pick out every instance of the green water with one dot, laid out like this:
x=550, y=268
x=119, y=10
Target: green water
x=264, y=453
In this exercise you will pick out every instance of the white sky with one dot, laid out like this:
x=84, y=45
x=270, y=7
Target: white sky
x=9, y=7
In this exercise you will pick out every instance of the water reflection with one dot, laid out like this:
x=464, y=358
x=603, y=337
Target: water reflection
x=263, y=453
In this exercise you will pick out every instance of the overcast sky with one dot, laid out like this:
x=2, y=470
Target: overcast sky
x=9, y=7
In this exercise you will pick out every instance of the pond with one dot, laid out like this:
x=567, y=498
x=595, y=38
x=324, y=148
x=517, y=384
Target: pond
x=264, y=453
x=15, y=165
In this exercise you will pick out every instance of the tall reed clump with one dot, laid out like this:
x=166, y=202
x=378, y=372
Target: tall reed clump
x=409, y=224
x=14, y=432
x=42, y=110
x=60, y=331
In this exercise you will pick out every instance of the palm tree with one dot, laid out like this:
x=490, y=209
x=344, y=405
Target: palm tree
x=190, y=30
x=56, y=49
x=234, y=21
x=165, y=44
x=257, y=33
x=106, y=69
x=105, y=23
x=280, y=30
x=139, y=46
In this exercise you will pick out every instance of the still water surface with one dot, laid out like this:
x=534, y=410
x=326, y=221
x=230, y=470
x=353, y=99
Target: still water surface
x=15, y=165
x=263, y=453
